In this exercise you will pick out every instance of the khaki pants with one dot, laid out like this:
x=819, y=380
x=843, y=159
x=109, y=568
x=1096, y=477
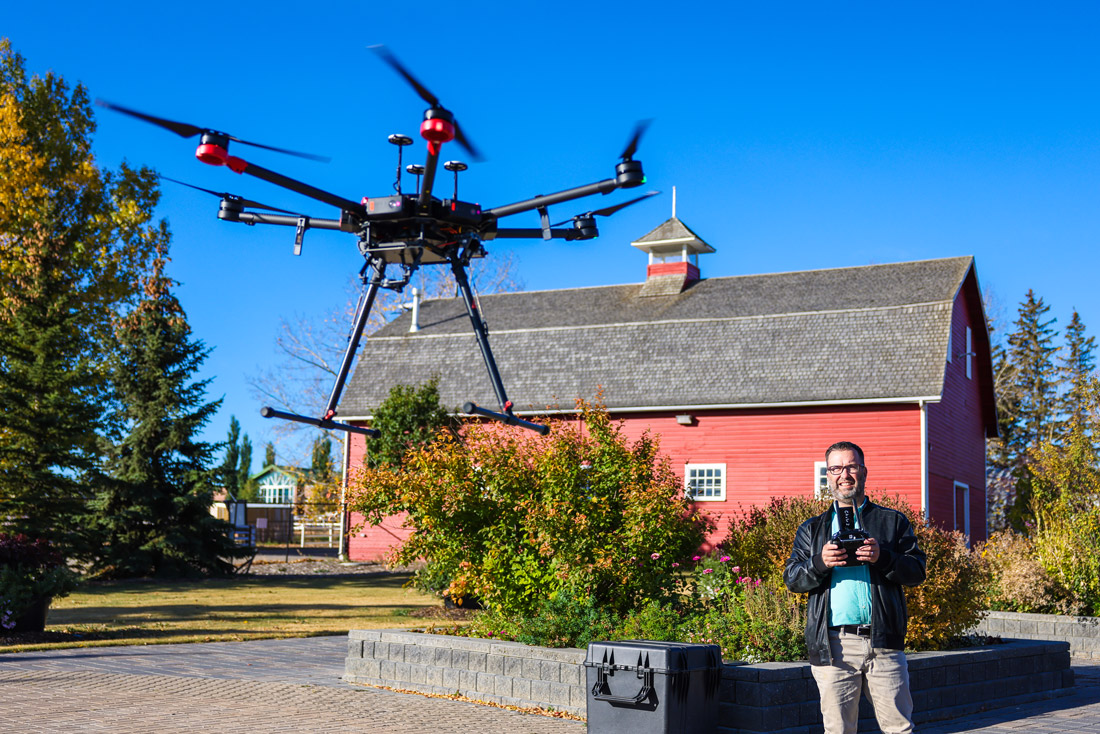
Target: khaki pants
x=883, y=675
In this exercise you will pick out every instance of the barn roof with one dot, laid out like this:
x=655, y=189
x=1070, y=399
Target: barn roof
x=876, y=332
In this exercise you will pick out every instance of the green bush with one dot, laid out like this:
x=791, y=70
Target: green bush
x=1018, y=581
x=760, y=541
x=513, y=518
x=30, y=570
x=1067, y=548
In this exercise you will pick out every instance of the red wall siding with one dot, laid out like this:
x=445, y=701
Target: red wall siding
x=956, y=434
x=771, y=452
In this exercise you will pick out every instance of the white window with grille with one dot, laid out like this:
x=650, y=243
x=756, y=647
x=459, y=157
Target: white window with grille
x=821, y=481
x=705, y=482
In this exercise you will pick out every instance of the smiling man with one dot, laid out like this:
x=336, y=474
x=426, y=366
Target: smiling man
x=856, y=618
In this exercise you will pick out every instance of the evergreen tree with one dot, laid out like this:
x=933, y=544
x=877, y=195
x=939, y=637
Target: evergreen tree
x=322, y=467
x=153, y=515
x=229, y=472
x=408, y=417
x=1033, y=391
x=73, y=239
x=1076, y=370
x=269, y=455
x=247, y=488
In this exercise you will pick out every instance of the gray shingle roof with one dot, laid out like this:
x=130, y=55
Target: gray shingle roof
x=756, y=339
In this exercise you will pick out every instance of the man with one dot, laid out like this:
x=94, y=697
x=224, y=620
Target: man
x=856, y=618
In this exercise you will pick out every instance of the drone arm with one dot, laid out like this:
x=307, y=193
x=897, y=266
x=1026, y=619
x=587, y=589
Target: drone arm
x=320, y=423
x=297, y=186
x=378, y=267
x=603, y=187
x=522, y=233
x=482, y=335
x=288, y=221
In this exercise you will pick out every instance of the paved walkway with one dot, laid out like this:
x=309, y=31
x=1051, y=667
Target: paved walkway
x=294, y=687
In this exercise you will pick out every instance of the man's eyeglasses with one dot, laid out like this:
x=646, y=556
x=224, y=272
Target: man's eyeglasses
x=836, y=471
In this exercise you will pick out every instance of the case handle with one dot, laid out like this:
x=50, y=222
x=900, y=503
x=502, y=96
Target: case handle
x=601, y=692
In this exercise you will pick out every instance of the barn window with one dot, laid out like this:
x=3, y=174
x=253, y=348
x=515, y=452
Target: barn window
x=821, y=481
x=969, y=351
x=705, y=482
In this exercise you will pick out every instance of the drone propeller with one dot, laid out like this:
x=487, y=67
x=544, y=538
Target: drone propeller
x=426, y=95
x=231, y=197
x=187, y=130
x=632, y=147
x=607, y=211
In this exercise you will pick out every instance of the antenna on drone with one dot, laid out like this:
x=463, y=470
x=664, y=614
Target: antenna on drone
x=400, y=141
x=455, y=166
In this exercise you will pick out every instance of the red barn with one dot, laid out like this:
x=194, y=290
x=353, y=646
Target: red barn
x=747, y=379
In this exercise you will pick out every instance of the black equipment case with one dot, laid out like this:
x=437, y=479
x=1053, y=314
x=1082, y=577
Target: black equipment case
x=646, y=687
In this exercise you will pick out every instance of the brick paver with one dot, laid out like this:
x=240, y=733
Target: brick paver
x=294, y=687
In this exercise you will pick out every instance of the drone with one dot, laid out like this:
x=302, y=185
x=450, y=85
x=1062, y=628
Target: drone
x=404, y=231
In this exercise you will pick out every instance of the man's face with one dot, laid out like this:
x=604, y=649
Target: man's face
x=848, y=484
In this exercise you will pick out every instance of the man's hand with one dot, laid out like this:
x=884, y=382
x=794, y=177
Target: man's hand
x=869, y=551
x=833, y=555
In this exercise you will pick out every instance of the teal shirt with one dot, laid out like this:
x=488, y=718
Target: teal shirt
x=849, y=591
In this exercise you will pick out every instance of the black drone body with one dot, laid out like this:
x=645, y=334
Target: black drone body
x=405, y=231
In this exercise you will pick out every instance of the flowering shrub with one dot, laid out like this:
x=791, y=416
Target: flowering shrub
x=30, y=570
x=514, y=519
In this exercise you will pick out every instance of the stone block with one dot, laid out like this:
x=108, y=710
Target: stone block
x=531, y=668
x=418, y=674
x=450, y=679
x=485, y=682
x=402, y=672
x=363, y=668
x=433, y=676
x=559, y=694
x=502, y=685
x=413, y=654
x=521, y=688
x=735, y=716
x=355, y=648
x=441, y=657
x=550, y=671
x=477, y=662
x=494, y=664
x=460, y=659
x=540, y=692
x=386, y=671
x=573, y=675
x=395, y=652
x=513, y=666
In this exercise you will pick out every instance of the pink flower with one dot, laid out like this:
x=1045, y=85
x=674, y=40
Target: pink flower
x=655, y=556
x=757, y=582
x=724, y=559
x=735, y=569
x=675, y=565
x=695, y=558
x=708, y=570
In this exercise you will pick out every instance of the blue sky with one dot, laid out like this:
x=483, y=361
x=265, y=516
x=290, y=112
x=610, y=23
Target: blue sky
x=799, y=136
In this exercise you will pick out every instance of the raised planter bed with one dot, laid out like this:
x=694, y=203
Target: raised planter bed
x=1082, y=633
x=767, y=697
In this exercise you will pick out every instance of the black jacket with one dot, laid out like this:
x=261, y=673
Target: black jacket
x=901, y=562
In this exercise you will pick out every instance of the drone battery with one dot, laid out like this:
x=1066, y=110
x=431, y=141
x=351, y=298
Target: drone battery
x=460, y=211
x=389, y=207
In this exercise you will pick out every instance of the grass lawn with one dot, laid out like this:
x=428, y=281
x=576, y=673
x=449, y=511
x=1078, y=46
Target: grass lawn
x=239, y=608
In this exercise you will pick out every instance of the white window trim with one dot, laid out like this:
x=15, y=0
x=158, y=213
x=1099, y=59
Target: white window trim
x=821, y=491
x=688, y=468
x=965, y=528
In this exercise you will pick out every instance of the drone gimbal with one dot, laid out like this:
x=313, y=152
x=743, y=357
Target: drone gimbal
x=407, y=231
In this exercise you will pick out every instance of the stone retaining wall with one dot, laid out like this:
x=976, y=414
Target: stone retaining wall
x=1082, y=633
x=767, y=697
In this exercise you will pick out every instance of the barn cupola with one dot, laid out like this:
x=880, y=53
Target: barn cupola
x=673, y=251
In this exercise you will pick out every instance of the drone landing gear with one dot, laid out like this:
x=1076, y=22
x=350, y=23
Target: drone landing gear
x=459, y=259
